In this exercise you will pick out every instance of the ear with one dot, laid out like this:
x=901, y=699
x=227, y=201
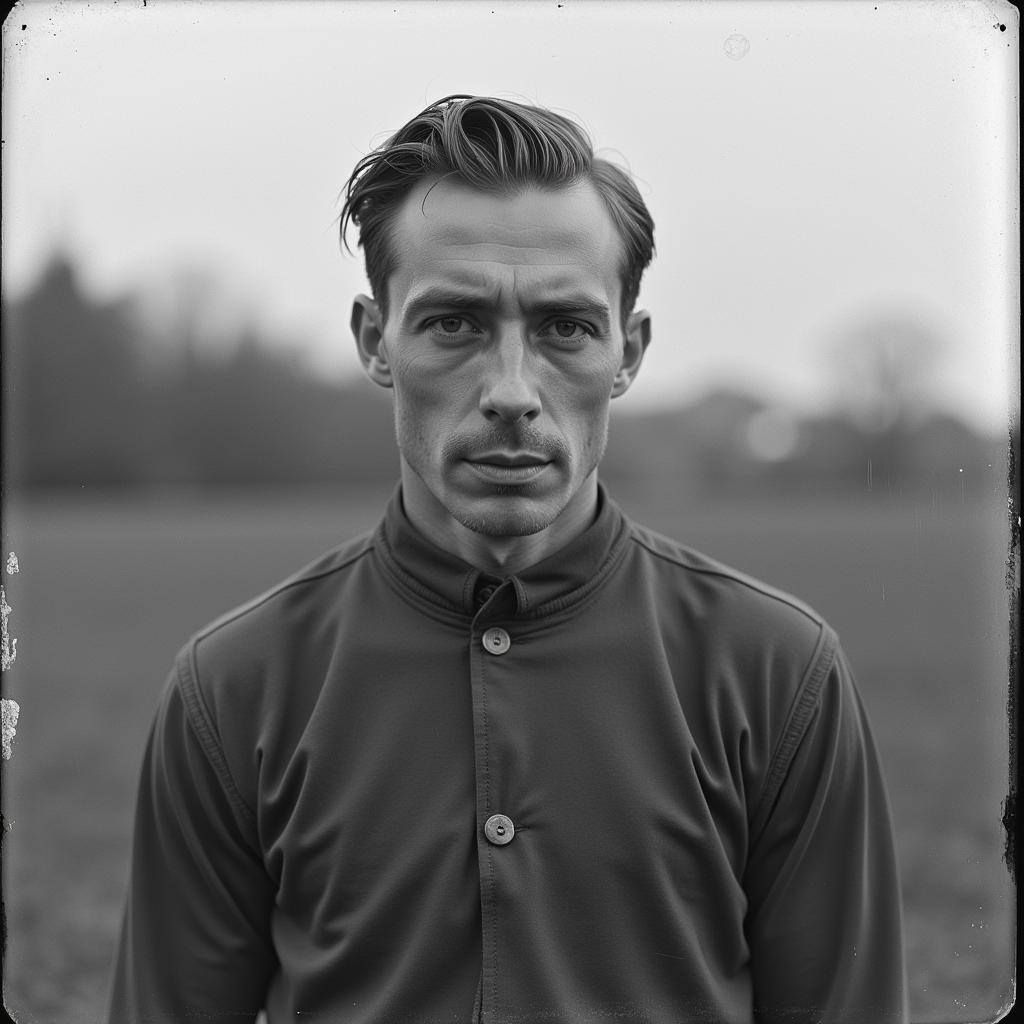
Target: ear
x=367, y=328
x=638, y=337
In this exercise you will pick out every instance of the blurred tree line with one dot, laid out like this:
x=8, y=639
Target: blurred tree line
x=91, y=398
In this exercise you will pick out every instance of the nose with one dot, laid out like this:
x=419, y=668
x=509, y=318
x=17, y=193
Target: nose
x=509, y=391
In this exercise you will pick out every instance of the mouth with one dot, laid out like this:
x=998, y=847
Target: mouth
x=513, y=460
x=509, y=467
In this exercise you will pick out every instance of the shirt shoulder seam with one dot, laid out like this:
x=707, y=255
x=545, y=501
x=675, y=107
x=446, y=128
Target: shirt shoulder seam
x=306, y=576
x=725, y=573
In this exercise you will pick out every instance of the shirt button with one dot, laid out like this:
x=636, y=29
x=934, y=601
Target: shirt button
x=499, y=829
x=496, y=640
x=486, y=593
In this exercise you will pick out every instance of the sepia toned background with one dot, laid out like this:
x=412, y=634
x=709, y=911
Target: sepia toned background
x=826, y=403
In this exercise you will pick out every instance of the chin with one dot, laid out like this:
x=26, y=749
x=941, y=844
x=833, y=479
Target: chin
x=505, y=515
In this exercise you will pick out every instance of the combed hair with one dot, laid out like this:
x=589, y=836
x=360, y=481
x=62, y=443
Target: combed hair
x=496, y=146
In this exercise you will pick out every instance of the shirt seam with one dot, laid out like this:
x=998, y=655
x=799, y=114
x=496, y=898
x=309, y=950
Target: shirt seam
x=276, y=591
x=201, y=721
x=733, y=577
x=802, y=710
x=199, y=717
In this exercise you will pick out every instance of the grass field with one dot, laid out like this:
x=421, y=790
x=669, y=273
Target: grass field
x=108, y=591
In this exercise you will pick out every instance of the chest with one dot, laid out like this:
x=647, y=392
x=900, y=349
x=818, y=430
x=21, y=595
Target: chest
x=614, y=754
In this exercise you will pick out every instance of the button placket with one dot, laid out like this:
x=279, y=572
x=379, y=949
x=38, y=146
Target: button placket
x=490, y=674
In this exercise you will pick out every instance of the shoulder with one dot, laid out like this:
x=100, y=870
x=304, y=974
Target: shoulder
x=758, y=650
x=724, y=599
x=250, y=679
x=238, y=665
x=316, y=586
x=763, y=657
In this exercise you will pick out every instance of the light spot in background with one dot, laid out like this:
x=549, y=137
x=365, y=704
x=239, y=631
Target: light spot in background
x=10, y=646
x=736, y=46
x=9, y=712
x=12, y=564
x=771, y=435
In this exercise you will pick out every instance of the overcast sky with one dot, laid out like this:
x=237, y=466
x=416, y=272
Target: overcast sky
x=809, y=165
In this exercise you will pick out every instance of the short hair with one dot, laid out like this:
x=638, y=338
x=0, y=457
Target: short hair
x=494, y=145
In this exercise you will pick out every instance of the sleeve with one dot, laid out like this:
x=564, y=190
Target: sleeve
x=824, y=920
x=195, y=938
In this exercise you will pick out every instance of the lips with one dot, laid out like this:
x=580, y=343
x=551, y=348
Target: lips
x=508, y=468
x=514, y=460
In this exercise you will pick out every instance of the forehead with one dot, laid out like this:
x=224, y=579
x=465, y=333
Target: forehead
x=536, y=237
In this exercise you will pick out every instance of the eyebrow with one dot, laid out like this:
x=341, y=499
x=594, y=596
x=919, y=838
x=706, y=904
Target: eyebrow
x=574, y=304
x=444, y=298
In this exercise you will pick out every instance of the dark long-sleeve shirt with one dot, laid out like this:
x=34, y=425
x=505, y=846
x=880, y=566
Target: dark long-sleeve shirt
x=626, y=784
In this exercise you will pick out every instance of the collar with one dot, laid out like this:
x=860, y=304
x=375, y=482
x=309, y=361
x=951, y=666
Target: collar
x=444, y=579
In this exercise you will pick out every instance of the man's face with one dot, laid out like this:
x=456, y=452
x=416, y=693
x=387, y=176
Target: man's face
x=504, y=344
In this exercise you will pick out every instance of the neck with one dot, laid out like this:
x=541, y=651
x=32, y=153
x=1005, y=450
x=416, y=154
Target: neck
x=500, y=556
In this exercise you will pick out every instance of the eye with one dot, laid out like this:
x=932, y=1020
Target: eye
x=452, y=325
x=567, y=330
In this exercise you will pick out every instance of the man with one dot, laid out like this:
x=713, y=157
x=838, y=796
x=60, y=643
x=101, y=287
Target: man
x=510, y=757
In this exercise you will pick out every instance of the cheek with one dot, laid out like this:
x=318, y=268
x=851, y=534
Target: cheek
x=586, y=427
x=429, y=405
x=586, y=382
x=430, y=380
x=587, y=396
x=418, y=386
